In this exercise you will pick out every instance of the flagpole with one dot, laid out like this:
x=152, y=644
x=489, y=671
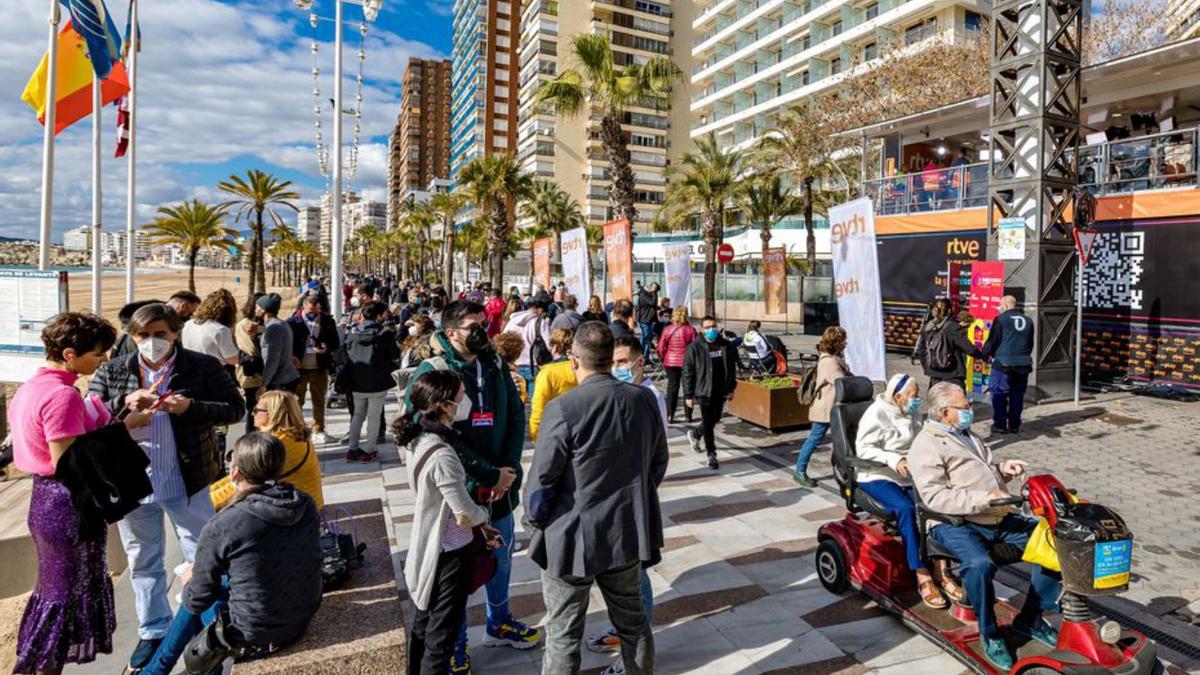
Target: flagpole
x=335, y=244
x=48, y=138
x=97, y=104
x=131, y=190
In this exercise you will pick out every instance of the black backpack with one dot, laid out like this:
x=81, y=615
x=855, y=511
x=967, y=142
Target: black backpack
x=938, y=349
x=539, y=352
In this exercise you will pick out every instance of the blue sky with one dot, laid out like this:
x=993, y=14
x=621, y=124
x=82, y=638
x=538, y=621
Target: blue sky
x=225, y=86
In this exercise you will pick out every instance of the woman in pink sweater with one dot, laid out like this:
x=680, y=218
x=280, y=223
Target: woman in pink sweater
x=672, y=346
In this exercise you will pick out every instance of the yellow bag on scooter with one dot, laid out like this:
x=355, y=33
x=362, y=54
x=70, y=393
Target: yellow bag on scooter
x=1040, y=550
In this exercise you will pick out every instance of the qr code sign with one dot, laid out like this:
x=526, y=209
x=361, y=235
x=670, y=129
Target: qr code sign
x=1114, y=270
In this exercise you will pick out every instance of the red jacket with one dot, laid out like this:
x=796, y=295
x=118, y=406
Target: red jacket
x=674, y=342
x=493, y=311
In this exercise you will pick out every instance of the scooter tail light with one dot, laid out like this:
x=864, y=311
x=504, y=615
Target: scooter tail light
x=1110, y=632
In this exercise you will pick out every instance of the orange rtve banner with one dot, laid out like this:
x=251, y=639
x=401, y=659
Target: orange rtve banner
x=541, y=263
x=618, y=258
x=775, y=280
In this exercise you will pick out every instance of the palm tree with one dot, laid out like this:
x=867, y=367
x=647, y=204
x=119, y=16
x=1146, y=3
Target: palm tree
x=803, y=148
x=766, y=201
x=496, y=182
x=192, y=225
x=258, y=193
x=552, y=209
x=608, y=90
x=472, y=240
x=446, y=206
x=704, y=181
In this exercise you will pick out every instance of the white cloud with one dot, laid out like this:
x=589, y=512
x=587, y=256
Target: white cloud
x=217, y=82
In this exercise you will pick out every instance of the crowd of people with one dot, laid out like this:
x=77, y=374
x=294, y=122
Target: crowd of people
x=465, y=369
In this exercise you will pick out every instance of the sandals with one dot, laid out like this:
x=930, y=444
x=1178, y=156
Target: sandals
x=949, y=585
x=930, y=595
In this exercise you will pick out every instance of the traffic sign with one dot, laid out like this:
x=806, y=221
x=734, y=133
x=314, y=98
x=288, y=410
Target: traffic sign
x=725, y=253
x=1084, y=240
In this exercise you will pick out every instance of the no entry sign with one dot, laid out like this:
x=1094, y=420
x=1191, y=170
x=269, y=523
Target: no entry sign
x=725, y=253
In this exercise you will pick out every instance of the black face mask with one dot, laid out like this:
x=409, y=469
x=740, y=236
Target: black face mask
x=477, y=340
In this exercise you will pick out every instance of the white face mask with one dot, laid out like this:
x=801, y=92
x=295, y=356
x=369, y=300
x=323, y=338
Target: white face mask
x=153, y=349
x=355, y=302
x=464, y=409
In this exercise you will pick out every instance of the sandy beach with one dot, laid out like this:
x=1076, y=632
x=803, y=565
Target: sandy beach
x=160, y=284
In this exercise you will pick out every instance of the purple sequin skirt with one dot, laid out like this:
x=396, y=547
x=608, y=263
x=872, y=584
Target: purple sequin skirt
x=70, y=616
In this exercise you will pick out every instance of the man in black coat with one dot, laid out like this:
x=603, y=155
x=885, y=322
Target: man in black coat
x=709, y=378
x=944, y=333
x=1010, y=347
x=191, y=394
x=592, y=495
x=647, y=316
x=316, y=330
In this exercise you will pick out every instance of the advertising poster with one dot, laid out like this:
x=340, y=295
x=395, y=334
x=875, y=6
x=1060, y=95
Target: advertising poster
x=679, y=273
x=575, y=264
x=987, y=287
x=775, y=280
x=618, y=259
x=856, y=285
x=1010, y=239
x=541, y=262
x=913, y=269
x=28, y=299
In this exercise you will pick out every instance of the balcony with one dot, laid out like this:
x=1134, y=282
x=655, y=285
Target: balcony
x=1156, y=162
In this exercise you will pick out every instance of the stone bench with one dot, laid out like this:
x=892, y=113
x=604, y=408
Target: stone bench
x=360, y=626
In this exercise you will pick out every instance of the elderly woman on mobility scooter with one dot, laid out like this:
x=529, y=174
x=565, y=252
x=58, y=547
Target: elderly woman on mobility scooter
x=955, y=473
x=885, y=433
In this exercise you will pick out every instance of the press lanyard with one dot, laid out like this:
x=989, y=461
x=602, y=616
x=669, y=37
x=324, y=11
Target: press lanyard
x=479, y=382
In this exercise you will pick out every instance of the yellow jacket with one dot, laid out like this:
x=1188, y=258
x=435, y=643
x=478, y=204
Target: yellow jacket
x=306, y=478
x=553, y=380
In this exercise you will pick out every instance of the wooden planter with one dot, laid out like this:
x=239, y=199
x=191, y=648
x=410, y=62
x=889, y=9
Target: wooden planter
x=771, y=409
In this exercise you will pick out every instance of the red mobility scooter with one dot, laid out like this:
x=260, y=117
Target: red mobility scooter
x=864, y=551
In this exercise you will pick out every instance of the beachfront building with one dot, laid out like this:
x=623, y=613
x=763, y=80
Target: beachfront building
x=78, y=238
x=326, y=233
x=419, y=145
x=113, y=246
x=308, y=224
x=365, y=213
x=1184, y=18
x=483, y=117
x=568, y=150
x=751, y=59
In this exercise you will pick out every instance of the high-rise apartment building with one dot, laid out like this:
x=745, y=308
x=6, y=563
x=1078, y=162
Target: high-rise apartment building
x=754, y=58
x=419, y=146
x=348, y=199
x=568, y=150
x=78, y=238
x=308, y=224
x=1184, y=18
x=484, y=80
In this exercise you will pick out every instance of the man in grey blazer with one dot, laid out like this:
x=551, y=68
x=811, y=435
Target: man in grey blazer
x=592, y=497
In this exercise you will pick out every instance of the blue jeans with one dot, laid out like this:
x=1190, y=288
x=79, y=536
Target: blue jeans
x=648, y=330
x=185, y=626
x=530, y=374
x=898, y=500
x=815, y=436
x=144, y=541
x=970, y=543
x=647, y=596
x=497, y=589
x=1008, y=397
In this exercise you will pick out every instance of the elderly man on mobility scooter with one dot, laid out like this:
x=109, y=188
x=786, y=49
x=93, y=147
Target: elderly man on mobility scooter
x=955, y=473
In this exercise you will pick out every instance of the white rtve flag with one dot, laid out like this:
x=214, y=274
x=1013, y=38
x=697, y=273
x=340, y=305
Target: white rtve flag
x=575, y=264
x=856, y=283
x=679, y=274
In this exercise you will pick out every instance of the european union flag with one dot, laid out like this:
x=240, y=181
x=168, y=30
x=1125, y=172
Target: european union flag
x=91, y=20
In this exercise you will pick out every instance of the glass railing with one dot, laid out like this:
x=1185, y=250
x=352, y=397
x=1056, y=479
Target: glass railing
x=1160, y=161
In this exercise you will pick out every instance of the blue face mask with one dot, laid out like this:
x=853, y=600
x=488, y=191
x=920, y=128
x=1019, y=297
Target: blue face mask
x=311, y=316
x=965, y=419
x=623, y=374
x=914, y=404
x=711, y=334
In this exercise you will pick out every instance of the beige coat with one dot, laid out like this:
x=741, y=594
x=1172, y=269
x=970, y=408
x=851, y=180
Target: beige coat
x=246, y=343
x=953, y=480
x=829, y=369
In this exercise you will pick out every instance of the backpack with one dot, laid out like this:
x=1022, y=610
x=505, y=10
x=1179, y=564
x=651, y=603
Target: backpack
x=807, y=391
x=938, y=350
x=403, y=376
x=539, y=353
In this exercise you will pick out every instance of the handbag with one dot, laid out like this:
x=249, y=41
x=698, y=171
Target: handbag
x=483, y=563
x=1040, y=549
x=209, y=649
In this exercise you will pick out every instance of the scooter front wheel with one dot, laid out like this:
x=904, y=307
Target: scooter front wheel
x=831, y=567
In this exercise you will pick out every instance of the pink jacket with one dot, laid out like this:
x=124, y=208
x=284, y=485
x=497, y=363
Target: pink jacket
x=674, y=342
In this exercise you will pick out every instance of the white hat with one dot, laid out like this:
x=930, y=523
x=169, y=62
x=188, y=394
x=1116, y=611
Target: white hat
x=897, y=384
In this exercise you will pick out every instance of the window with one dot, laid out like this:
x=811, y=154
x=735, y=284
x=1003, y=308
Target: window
x=804, y=79
x=870, y=52
x=920, y=31
x=973, y=21
x=835, y=66
x=871, y=11
x=836, y=28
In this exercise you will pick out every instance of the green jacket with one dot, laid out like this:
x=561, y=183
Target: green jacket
x=484, y=448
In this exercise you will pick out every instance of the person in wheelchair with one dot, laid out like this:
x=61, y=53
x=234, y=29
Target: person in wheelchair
x=754, y=341
x=885, y=433
x=959, y=481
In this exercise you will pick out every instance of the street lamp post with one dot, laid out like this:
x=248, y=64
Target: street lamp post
x=370, y=11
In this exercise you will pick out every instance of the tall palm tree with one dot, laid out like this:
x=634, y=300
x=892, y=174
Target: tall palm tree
x=608, y=90
x=496, y=182
x=552, y=209
x=258, y=193
x=804, y=148
x=472, y=241
x=704, y=181
x=766, y=201
x=419, y=220
x=446, y=206
x=192, y=225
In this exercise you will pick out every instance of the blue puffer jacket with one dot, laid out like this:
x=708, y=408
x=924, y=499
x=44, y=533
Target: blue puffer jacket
x=1010, y=342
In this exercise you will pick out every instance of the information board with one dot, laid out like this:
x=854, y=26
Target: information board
x=28, y=299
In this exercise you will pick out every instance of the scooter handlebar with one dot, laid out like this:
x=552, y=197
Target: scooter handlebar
x=1007, y=501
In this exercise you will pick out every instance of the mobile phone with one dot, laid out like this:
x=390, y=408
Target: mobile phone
x=160, y=400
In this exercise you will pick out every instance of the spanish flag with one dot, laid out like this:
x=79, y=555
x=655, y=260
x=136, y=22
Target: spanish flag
x=74, y=82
